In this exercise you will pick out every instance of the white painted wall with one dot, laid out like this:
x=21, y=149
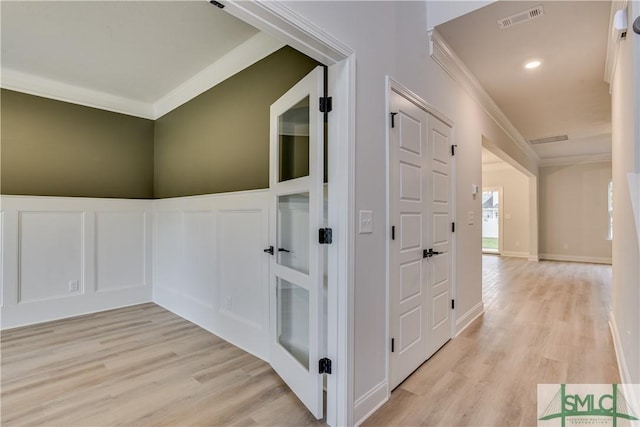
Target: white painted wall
x=574, y=214
x=209, y=264
x=390, y=39
x=102, y=245
x=625, y=96
x=515, y=211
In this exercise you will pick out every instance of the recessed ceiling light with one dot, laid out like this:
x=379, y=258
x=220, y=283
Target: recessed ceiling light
x=532, y=64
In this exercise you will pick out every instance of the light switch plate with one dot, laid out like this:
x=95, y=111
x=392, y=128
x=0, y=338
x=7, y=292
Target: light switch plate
x=366, y=222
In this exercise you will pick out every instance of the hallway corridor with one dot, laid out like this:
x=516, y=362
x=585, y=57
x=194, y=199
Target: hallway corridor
x=544, y=322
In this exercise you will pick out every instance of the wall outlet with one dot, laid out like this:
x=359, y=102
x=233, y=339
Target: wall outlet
x=471, y=218
x=74, y=285
x=228, y=303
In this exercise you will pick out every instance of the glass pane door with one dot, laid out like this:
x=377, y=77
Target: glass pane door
x=297, y=263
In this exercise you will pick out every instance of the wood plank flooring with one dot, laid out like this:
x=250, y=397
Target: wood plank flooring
x=544, y=323
x=137, y=366
x=143, y=366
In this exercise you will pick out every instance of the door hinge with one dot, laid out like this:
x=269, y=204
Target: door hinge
x=393, y=345
x=324, y=366
x=326, y=104
x=453, y=150
x=393, y=232
x=453, y=304
x=325, y=236
x=393, y=121
x=453, y=227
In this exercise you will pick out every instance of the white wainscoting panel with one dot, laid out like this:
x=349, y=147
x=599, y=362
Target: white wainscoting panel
x=67, y=256
x=209, y=264
x=121, y=250
x=51, y=255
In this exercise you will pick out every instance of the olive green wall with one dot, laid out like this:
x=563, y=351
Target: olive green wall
x=219, y=141
x=54, y=148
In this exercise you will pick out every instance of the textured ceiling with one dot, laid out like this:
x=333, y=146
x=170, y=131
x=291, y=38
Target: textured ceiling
x=566, y=94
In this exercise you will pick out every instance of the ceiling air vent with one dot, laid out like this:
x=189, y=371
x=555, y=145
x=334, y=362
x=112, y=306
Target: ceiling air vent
x=557, y=138
x=521, y=17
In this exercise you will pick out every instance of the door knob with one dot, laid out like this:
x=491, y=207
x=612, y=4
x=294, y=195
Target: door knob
x=283, y=250
x=428, y=253
x=269, y=250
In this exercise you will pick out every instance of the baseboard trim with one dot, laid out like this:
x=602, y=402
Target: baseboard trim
x=365, y=406
x=623, y=369
x=514, y=254
x=576, y=258
x=467, y=319
x=534, y=258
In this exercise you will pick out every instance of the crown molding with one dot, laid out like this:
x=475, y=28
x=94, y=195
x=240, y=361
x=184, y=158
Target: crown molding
x=613, y=46
x=444, y=55
x=573, y=160
x=248, y=53
x=243, y=56
x=47, y=88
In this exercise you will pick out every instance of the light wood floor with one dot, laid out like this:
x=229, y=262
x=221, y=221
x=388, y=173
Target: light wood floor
x=544, y=323
x=138, y=366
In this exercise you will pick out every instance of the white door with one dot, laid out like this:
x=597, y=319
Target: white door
x=296, y=183
x=440, y=263
x=420, y=246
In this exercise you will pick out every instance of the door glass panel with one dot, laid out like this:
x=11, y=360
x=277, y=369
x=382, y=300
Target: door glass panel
x=293, y=232
x=293, y=320
x=293, y=142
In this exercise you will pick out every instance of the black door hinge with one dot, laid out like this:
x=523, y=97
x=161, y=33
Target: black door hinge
x=453, y=227
x=393, y=345
x=393, y=121
x=453, y=150
x=324, y=366
x=325, y=236
x=326, y=104
x=393, y=232
x=453, y=304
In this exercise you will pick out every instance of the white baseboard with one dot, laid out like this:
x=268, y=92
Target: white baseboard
x=466, y=319
x=514, y=254
x=623, y=369
x=365, y=406
x=534, y=258
x=576, y=258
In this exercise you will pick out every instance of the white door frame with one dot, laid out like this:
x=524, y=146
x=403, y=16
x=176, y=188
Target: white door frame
x=500, y=191
x=284, y=24
x=395, y=86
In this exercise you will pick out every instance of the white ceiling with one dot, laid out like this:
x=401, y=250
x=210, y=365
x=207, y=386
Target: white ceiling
x=130, y=51
x=567, y=94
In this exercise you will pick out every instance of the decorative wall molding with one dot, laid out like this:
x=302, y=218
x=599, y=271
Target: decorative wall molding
x=366, y=405
x=243, y=56
x=52, y=89
x=467, y=319
x=576, y=258
x=514, y=254
x=49, y=243
x=573, y=160
x=248, y=53
x=444, y=55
